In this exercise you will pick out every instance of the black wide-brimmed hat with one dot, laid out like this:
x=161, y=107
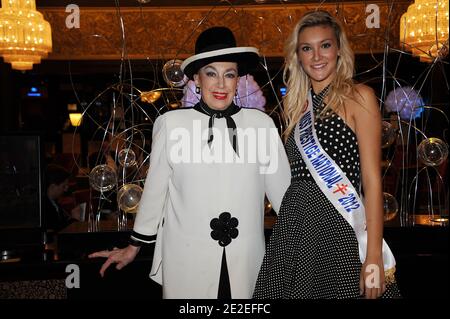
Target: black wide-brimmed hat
x=218, y=44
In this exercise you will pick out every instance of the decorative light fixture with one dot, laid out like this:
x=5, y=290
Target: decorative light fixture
x=406, y=102
x=75, y=119
x=424, y=29
x=150, y=96
x=25, y=37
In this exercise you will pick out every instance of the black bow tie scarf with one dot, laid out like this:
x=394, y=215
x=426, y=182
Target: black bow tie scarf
x=213, y=114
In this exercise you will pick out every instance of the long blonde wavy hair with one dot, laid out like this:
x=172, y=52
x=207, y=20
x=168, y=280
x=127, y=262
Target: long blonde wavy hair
x=298, y=82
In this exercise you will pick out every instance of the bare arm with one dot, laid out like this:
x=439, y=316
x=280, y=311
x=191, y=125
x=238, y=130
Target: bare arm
x=367, y=119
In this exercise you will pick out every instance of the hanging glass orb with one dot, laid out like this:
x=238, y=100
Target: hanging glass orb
x=126, y=157
x=172, y=73
x=432, y=151
x=128, y=198
x=102, y=178
x=388, y=134
x=390, y=206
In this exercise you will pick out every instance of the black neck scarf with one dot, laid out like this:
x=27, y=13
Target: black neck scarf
x=227, y=113
x=317, y=98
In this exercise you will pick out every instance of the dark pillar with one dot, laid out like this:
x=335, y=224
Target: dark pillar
x=9, y=108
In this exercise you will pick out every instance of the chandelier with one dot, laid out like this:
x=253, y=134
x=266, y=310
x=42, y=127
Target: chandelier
x=25, y=37
x=424, y=29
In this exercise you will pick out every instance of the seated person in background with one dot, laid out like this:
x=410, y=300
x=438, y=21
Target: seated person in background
x=107, y=154
x=57, y=184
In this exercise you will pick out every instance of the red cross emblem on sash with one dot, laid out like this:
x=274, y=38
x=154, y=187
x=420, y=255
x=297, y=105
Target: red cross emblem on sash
x=341, y=188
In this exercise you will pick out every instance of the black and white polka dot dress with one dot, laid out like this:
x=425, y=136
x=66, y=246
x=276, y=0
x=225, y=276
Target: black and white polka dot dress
x=313, y=251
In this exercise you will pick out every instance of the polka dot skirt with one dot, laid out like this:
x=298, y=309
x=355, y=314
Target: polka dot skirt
x=313, y=251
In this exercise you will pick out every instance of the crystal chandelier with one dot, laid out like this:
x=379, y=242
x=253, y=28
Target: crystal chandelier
x=25, y=37
x=424, y=29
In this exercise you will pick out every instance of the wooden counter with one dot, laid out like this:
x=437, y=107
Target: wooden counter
x=421, y=253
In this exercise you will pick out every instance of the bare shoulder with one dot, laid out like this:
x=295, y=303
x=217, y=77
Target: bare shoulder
x=364, y=94
x=365, y=99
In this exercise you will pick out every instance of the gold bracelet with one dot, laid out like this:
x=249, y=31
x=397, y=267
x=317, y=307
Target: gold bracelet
x=389, y=276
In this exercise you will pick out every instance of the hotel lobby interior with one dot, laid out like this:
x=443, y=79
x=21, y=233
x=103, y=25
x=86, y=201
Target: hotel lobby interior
x=83, y=81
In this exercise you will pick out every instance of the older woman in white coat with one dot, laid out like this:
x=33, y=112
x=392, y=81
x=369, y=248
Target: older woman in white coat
x=210, y=168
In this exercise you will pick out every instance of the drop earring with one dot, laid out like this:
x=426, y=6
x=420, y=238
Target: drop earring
x=197, y=89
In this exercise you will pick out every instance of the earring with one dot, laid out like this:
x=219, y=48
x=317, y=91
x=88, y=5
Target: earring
x=197, y=89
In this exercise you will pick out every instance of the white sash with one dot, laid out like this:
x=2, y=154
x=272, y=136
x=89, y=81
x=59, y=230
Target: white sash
x=334, y=184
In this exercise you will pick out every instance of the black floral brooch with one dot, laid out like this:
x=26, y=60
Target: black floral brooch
x=224, y=228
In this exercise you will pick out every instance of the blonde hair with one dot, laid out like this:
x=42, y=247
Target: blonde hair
x=298, y=82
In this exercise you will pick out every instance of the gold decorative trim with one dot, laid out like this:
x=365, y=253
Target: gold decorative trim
x=167, y=33
x=389, y=276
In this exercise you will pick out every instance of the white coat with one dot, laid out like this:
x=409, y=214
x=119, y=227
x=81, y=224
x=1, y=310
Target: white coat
x=185, y=190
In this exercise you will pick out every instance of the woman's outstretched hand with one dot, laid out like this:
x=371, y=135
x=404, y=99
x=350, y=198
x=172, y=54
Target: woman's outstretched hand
x=121, y=257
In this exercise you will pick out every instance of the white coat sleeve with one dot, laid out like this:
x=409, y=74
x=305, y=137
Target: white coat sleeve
x=278, y=177
x=153, y=199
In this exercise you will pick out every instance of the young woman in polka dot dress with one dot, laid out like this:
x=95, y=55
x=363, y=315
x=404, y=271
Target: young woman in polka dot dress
x=313, y=251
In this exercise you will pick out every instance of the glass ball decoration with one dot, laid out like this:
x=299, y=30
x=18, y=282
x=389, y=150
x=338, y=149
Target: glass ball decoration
x=432, y=151
x=388, y=134
x=172, y=73
x=102, y=178
x=126, y=157
x=390, y=206
x=128, y=198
